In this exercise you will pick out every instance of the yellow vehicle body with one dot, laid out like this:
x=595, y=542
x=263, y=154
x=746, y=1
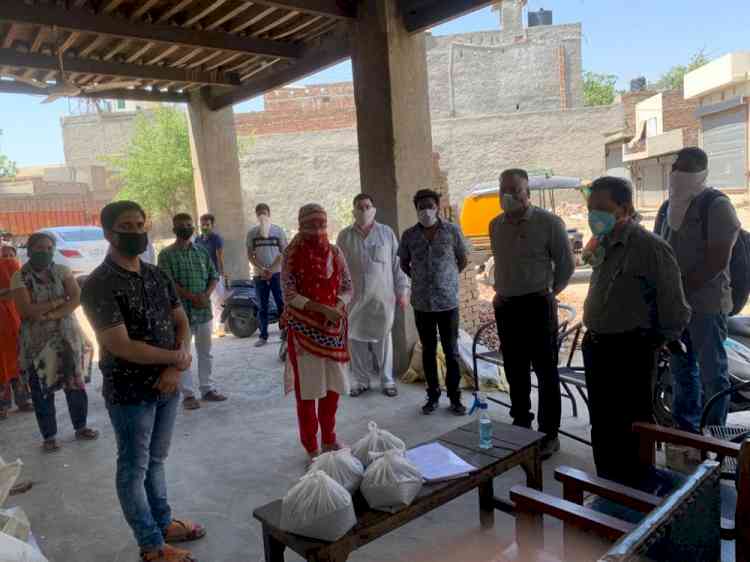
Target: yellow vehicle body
x=477, y=213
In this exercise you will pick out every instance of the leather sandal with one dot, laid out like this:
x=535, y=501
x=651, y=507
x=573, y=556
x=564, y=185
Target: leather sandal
x=354, y=392
x=87, y=434
x=167, y=553
x=183, y=530
x=50, y=446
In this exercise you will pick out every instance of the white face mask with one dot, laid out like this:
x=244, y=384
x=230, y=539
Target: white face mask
x=427, y=217
x=265, y=225
x=683, y=188
x=365, y=218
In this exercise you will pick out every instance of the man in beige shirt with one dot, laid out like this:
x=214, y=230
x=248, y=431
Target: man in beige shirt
x=533, y=263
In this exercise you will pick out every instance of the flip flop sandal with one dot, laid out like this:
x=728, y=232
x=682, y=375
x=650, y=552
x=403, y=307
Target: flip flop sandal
x=390, y=391
x=183, y=530
x=50, y=446
x=21, y=488
x=167, y=554
x=357, y=392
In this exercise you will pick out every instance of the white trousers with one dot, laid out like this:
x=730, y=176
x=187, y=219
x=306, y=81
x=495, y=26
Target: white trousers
x=216, y=305
x=202, y=336
x=372, y=359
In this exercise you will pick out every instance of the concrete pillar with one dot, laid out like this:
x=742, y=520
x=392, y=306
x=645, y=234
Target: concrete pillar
x=512, y=16
x=393, y=126
x=216, y=169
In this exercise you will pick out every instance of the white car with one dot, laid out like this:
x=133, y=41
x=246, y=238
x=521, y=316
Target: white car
x=81, y=248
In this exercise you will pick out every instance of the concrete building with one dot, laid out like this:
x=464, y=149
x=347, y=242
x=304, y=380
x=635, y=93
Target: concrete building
x=655, y=126
x=506, y=97
x=721, y=92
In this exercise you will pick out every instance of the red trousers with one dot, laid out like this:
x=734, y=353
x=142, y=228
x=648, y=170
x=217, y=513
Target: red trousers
x=308, y=418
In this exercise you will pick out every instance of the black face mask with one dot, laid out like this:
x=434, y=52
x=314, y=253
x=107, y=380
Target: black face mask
x=184, y=232
x=41, y=260
x=131, y=244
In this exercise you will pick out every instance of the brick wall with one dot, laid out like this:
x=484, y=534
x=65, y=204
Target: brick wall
x=290, y=121
x=310, y=98
x=679, y=113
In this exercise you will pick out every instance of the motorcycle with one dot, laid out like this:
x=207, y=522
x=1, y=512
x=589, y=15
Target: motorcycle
x=241, y=308
x=737, y=347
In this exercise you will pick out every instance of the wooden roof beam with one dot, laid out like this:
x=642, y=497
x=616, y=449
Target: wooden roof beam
x=419, y=15
x=136, y=94
x=327, y=8
x=212, y=7
x=143, y=8
x=329, y=52
x=9, y=57
x=174, y=10
x=82, y=21
x=229, y=15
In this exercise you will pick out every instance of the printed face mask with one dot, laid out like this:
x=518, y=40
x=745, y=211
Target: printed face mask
x=601, y=222
x=427, y=217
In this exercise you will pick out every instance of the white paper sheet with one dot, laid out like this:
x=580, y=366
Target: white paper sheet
x=437, y=462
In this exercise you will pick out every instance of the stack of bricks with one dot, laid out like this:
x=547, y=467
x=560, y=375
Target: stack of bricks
x=468, y=306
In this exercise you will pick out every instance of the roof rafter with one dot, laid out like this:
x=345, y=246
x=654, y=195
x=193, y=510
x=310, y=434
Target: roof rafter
x=9, y=57
x=82, y=21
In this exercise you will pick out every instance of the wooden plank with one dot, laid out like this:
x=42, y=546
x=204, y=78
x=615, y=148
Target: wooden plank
x=656, y=433
x=204, y=60
x=140, y=52
x=276, y=23
x=69, y=42
x=506, y=434
x=242, y=65
x=9, y=57
x=577, y=480
x=296, y=29
x=237, y=10
x=38, y=40
x=528, y=500
x=86, y=22
x=164, y=54
x=10, y=36
x=188, y=56
x=327, y=54
x=212, y=7
x=251, y=21
x=420, y=15
x=174, y=10
x=112, y=5
x=136, y=95
x=143, y=8
x=98, y=41
x=223, y=62
x=121, y=46
x=327, y=8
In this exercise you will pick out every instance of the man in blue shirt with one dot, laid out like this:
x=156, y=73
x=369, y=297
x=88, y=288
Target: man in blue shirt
x=214, y=245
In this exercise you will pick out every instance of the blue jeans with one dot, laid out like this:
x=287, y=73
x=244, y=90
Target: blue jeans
x=701, y=373
x=264, y=289
x=144, y=432
x=46, y=413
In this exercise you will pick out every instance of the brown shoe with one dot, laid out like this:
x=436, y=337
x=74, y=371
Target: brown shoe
x=87, y=434
x=213, y=396
x=183, y=530
x=191, y=403
x=167, y=553
x=50, y=446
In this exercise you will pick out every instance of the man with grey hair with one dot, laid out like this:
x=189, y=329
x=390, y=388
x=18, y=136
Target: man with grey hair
x=533, y=264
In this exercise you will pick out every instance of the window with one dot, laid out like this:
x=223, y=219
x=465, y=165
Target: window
x=120, y=104
x=651, y=127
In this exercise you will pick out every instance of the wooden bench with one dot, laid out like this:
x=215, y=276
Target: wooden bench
x=513, y=446
x=688, y=524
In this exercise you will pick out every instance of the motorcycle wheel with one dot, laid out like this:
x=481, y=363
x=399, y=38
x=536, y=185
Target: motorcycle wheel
x=242, y=326
x=662, y=403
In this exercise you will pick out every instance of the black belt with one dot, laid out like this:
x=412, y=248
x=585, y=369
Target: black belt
x=538, y=294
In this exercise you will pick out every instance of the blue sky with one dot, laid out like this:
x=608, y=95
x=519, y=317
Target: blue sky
x=628, y=38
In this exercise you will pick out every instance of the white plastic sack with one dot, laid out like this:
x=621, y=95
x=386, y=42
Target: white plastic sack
x=15, y=523
x=489, y=374
x=376, y=441
x=14, y=550
x=318, y=507
x=391, y=482
x=9, y=473
x=342, y=466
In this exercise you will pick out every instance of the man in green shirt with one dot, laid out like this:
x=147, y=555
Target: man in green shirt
x=195, y=277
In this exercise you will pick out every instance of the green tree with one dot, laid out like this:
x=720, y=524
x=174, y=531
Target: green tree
x=7, y=167
x=157, y=170
x=598, y=89
x=673, y=79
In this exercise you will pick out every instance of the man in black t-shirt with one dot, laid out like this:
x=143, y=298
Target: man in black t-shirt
x=143, y=333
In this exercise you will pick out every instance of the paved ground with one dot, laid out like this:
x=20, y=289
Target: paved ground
x=229, y=458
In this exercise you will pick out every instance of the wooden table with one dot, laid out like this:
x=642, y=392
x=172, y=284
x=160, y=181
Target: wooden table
x=513, y=446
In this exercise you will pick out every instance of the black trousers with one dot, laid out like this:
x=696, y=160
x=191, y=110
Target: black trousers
x=620, y=369
x=527, y=327
x=428, y=326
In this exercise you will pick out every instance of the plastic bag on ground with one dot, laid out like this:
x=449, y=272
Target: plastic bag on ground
x=376, y=441
x=391, y=482
x=14, y=522
x=14, y=550
x=9, y=473
x=343, y=467
x=490, y=377
x=318, y=507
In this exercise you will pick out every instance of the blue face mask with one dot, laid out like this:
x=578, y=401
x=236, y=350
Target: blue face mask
x=601, y=222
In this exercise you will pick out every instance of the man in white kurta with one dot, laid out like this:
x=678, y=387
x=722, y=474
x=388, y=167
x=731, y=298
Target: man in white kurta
x=371, y=251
